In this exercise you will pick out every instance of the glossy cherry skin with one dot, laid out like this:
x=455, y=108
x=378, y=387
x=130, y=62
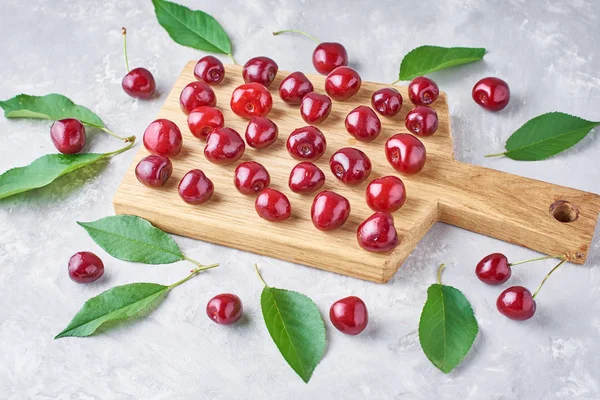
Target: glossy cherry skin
x=350, y=165
x=306, y=144
x=377, y=233
x=209, y=69
x=139, y=83
x=493, y=269
x=306, y=177
x=329, y=210
x=422, y=121
x=251, y=178
x=68, y=135
x=387, y=101
x=251, y=100
x=196, y=94
x=225, y=309
x=328, y=56
x=363, y=124
x=342, y=83
x=491, y=93
x=273, y=205
x=516, y=303
x=195, y=187
x=260, y=70
x=294, y=87
x=85, y=267
x=423, y=91
x=386, y=194
x=203, y=120
x=154, y=170
x=261, y=132
x=315, y=108
x=224, y=146
x=163, y=137
x=349, y=315
x=405, y=153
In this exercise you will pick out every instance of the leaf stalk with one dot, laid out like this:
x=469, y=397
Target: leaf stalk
x=259, y=275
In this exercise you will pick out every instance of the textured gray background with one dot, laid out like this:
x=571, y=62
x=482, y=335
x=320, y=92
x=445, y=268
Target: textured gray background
x=547, y=51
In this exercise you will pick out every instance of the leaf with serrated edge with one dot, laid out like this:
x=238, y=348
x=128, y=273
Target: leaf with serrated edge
x=297, y=328
x=426, y=59
x=132, y=238
x=447, y=328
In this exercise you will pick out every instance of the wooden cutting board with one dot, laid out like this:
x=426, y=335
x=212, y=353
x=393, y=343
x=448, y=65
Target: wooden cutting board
x=548, y=218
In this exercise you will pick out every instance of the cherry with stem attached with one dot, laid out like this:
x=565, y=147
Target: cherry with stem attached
x=494, y=269
x=138, y=82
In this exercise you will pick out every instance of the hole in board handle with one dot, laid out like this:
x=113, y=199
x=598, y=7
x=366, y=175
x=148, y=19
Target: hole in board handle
x=563, y=211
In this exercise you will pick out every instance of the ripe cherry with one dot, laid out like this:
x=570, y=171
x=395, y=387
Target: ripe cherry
x=377, y=233
x=154, y=170
x=196, y=94
x=423, y=91
x=342, y=83
x=163, y=137
x=294, y=87
x=251, y=100
x=68, y=135
x=273, y=205
x=349, y=315
x=251, y=178
x=306, y=144
x=386, y=194
x=315, y=108
x=260, y=70
x=203, y=120
x=225, y=309
x=363, y=124
x=261, y=132
x=138, y=82
x=350, y=165
x=306, y=177
x=195, y=187
x=491, y=93
x=85, y=267
x=209, y=69
x=493, y=269
x=422, y=121
x=405, y=153
x=329, y=210
x=224, y=146
x=387, y=101
x=516, y=303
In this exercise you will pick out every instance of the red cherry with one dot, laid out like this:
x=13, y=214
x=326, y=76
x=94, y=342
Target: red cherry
x=203, y=120
x=306, y=177
x=491, y=93
x=405, y=153
x=154, y=170
x=273, y=205
x=328, y=56
x=342, y=83
x=363, y=124
x=224, y=146
x=422, y=121
x=350, y=165
x=261, y=132
x=349, y=315
x=386, y=194
x=251, y=100
x=260, y=70
x=329, y=210
x=251, y=178
x=516, y=303
x=195, y=187
x=68, y=135
x=163, y=137
x=196, y=94
x=139, y=83
x=294, y=87
x=377, y=233
x=315, y=108
x=85, y=267
x=210, y=70
x=225, y=309
x=423, y=91
x=306, y=144
x=387, y=101
x=493, y=269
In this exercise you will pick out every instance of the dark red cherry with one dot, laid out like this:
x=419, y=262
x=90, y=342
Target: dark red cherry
x=349, y=315
x=491, y=93
x=195, y=187
x=422, y=121
x=350, y=165
x=251, y=100
x=423, y=91
x=342, y=83
x=377, y=233
x=251, y=178
x=328, y=56
x=363, y=124
x=139, y=83
x=329, y=210
x=405, y=153
x=68, y=135
x=154, y=170
x=315, y=108
x=225, y=309
x=261, y=132
x=386, y=194
x=273, y=205
x=196, y=94
x=294, y=87
x=85, y=267
x=210, y=70
x=306, y=177
x=493, y=269
x=224, y=146
x=387, y=101
x=163, y=137
x=306, y=144
x=203, y=120
x=516, y=303
x=260, y=70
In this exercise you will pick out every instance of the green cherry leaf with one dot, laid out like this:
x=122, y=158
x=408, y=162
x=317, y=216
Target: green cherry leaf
x=426, y=59
x=132, y=238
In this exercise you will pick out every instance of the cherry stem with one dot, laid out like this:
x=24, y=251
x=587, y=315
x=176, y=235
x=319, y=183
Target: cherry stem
x=130, y=145
x=259, y=275
x=494, y=155
x=232, y=59
x=531, y=260
x=547, y=276
x=297, y=31
x=439, y=273
x=127, y=139
x=124, y=32
x=193, y=273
